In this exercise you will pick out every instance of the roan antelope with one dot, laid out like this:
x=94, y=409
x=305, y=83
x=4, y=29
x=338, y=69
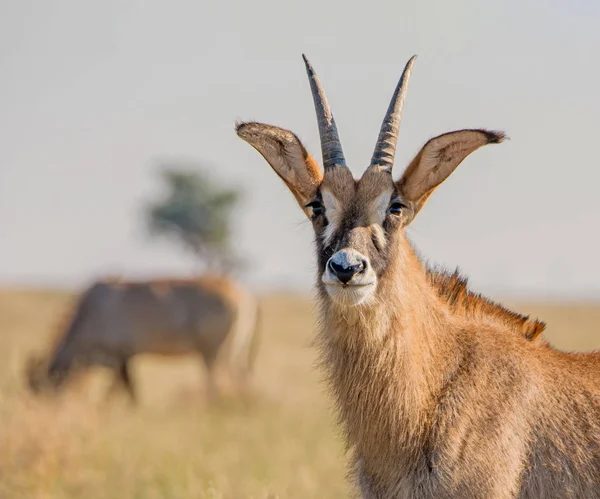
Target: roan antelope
x=436, y=394
x=114, y=321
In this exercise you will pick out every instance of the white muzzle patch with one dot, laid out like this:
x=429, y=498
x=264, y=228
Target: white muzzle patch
x=349, y=278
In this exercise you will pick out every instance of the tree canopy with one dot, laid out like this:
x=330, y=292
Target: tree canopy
x=196, y=212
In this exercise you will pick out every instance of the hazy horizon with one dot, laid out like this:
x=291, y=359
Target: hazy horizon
x=93, y=97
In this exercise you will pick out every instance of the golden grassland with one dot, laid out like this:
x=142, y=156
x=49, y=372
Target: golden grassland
x=282, y=443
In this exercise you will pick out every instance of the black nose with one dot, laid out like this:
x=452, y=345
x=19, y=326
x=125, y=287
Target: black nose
x=345, y=273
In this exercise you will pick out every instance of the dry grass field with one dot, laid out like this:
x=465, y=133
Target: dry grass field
x=280, y=444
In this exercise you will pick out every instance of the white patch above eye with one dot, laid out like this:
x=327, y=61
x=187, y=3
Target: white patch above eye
x=329, y=201
x=379, y=207
x=333, y=213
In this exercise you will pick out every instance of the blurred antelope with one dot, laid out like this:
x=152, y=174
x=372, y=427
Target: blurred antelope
x=114, y=321
x=436, y=394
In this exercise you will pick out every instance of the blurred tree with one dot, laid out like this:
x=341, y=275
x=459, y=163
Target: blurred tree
x=196, y=212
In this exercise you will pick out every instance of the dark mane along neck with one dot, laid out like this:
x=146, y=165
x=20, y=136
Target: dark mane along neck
x=453, y=289
x=389, y=361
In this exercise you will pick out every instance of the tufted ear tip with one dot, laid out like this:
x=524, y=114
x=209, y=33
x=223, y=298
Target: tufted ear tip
x=495, y=136
x=247, y=129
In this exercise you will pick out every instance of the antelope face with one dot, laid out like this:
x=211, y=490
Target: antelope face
x=355, y=223
x=358, y=223
x=38, y=378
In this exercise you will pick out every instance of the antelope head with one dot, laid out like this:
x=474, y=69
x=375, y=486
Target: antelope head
x=359, y=223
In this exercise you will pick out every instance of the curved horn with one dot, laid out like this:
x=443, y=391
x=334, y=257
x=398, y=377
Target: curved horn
x=385, y=149
x=330, y=140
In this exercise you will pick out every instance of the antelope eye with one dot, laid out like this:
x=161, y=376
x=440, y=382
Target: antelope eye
x=395, y=208
x=317, y=208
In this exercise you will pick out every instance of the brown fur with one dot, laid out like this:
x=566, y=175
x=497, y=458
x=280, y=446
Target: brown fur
x=114, y=320
x=454, y=289
x=436, y=394
x=435, y=406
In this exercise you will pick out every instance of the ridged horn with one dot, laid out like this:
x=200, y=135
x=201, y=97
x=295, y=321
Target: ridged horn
x=331, y=146
x=385, y=149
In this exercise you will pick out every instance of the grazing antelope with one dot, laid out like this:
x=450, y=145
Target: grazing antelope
x=436, y=395
x=114, y=321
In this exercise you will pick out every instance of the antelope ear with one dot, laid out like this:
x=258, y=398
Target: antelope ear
x=434, y=163
x=287, y=156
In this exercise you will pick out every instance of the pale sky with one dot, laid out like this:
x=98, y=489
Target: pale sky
x=93, y=94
